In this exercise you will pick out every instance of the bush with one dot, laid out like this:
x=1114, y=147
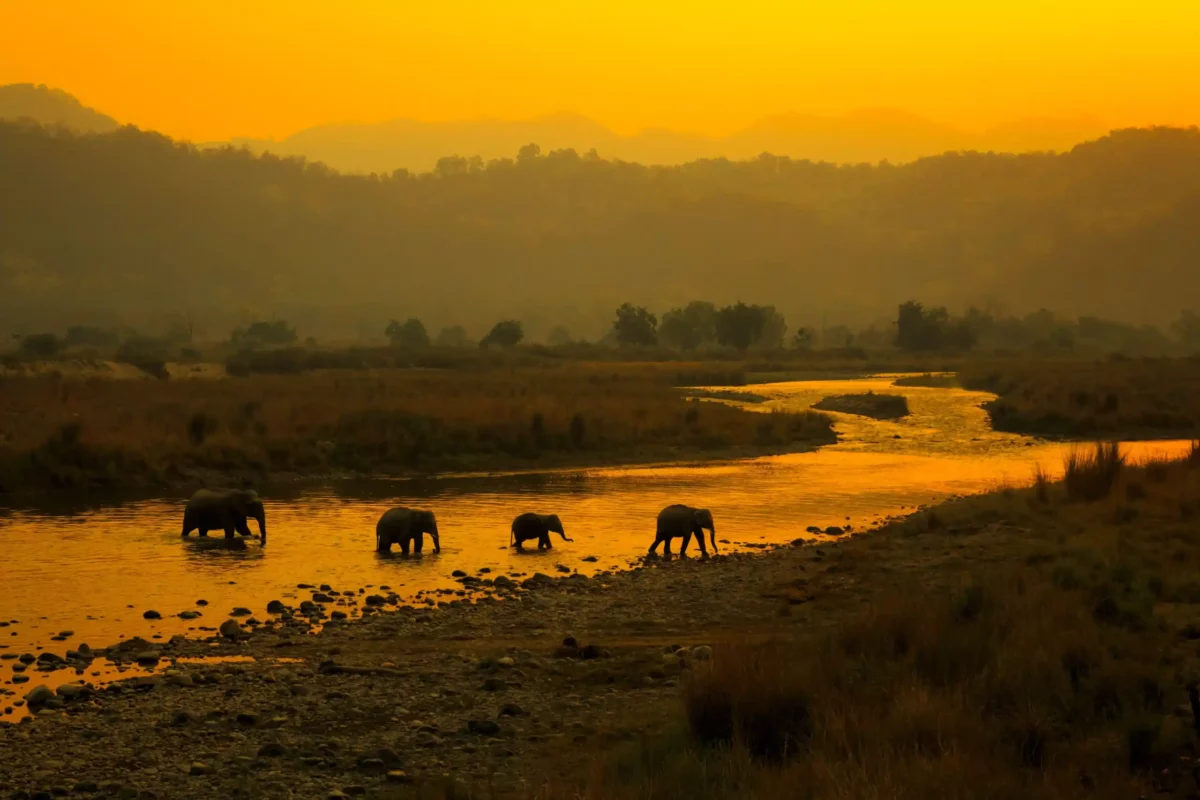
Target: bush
x=507, y=333
x=41, y=345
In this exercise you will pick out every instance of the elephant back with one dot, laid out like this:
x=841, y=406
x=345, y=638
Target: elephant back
x=678, y=511
x=529, y=521
x=394, y=517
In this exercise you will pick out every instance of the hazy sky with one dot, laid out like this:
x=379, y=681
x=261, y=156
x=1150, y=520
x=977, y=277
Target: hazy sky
x=218, y=68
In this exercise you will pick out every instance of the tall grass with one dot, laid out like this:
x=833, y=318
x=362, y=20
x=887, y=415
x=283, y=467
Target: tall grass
x=1091, y=476
x=1141, y=398
x=369, y=421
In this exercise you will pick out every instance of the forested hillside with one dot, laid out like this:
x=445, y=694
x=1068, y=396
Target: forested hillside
x=132, y=227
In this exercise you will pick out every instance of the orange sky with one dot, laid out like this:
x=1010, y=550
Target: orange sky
x=216, y=69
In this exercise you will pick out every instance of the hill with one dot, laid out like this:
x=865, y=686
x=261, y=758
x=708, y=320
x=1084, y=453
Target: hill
x=864, y=136
x=51, y=107
x=133, y=226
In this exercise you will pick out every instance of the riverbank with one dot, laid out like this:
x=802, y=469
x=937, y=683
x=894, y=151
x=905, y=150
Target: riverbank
x=111, y=434
x=963, y=680
x=1118, y=398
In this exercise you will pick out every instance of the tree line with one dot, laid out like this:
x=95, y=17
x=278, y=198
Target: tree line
x=131, y=228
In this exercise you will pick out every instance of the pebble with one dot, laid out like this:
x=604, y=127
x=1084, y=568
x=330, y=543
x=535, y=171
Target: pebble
x=200, y=768
x=151, y=614
x=276, y=607
x=231, y=629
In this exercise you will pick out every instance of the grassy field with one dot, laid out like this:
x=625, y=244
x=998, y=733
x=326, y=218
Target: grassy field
x=67, y=433
x=1048, y=651
x=1145, y=398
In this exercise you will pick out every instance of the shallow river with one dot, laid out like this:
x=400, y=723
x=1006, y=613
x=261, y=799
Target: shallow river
x=94, y=569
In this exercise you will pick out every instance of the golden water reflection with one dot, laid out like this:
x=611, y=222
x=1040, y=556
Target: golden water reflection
x=95, y=569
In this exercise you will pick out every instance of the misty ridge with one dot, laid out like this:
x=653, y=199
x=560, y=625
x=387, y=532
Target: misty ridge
x=130, y=228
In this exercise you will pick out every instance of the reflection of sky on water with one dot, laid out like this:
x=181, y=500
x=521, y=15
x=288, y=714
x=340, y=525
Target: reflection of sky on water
x=95, y=568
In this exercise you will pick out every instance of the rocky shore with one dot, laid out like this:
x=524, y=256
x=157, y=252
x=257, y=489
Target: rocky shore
x=352, y=693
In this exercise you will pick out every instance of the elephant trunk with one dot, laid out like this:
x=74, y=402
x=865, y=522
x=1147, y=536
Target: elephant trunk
x=260, y=516
x=712, y=532
x=437, y=543
x=563, y=534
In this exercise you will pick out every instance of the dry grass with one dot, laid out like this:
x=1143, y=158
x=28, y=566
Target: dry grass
x=61, y=432
x=1091, y=476
x=1055, y=664
x=1144, y=398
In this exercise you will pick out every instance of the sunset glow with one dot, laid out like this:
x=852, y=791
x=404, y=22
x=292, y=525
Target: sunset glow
x=213, y=70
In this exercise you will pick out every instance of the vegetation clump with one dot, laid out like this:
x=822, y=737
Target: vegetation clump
x=867, y=404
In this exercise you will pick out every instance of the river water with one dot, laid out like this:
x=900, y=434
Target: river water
x=93, y=569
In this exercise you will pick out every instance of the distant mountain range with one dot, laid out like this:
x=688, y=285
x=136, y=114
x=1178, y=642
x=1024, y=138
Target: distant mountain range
x=862, y=136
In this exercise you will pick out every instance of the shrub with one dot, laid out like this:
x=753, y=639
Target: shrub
x=41, y=345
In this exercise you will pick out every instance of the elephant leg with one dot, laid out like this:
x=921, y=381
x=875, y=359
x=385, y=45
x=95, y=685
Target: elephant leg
x=519, y=543
x=229, y=531
x=544, y=541
x=654, y=547
x=687, y=539
x=243, y=528
x=667, y=546
x=383, y=544
x=418, y=542
x=404, y=545
x=700, y=540
x=203, y=532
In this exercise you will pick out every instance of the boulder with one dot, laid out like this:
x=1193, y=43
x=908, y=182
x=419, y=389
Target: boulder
x=151, y=614
x=38, y=696
x=276, y=607
x=231, y=629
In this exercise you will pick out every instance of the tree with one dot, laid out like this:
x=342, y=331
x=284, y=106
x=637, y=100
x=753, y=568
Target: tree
x=507, y=333
x=452, y=336
x=411, y=333
x=774, y=330
x=265, y=334
x=802, y=339
x=528, y=153
x=635, y=326
x=689, y=327
x=921, y=329
x=739, y=326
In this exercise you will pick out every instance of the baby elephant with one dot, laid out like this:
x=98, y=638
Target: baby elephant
x=406, y=526
x=224, y=510
x=536, y=526
x=679, y=521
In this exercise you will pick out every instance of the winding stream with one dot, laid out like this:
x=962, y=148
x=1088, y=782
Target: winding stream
x=94, y=569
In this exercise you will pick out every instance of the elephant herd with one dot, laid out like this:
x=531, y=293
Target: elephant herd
x=229, y=510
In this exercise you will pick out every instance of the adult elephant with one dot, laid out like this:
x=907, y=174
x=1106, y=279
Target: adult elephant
x=224, y=509
x=536, y=526
x=406, y=527
x=680, y=521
